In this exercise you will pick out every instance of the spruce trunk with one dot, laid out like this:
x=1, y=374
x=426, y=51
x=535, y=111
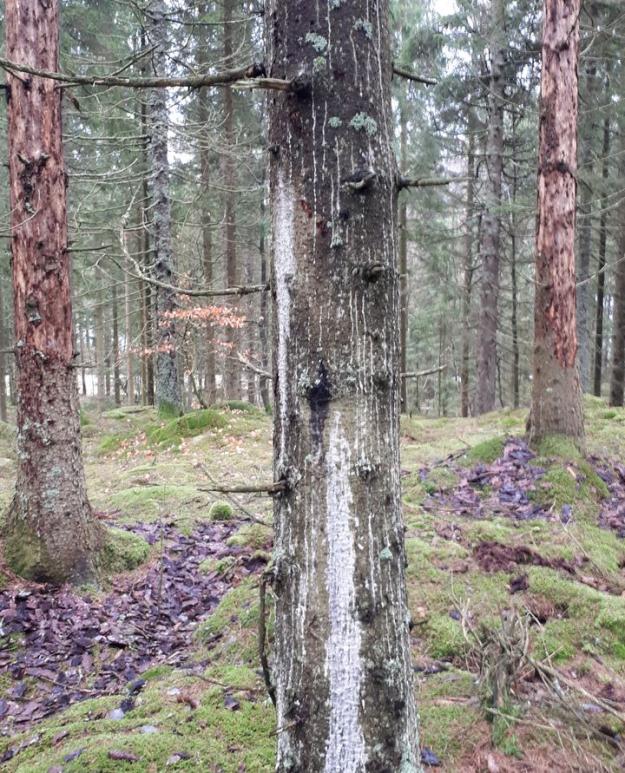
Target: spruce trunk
x=50, y=532
x=556, y=393
x=343, y=677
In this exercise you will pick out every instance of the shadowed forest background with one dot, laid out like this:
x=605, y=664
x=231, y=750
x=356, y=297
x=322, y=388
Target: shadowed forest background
x=194, y=240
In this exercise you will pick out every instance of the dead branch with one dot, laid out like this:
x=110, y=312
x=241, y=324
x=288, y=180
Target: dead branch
x=411, y=76
x=422, y=373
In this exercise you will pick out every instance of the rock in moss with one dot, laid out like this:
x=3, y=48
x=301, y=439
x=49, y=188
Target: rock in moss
x=220, y=511
x=123, y=551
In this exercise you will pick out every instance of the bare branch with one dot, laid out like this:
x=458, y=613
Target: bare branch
x=427, y=182
x=422, y=373
x=224, y=78
x=411, y=76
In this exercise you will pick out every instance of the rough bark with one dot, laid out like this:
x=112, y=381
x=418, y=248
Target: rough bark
x=403, y=268
x=205, y=210
x=130, y=371
x=603, y=243
x=585, y=231
x=232, y=371
x=3, y=374
x=344, y=688
x=263, y=322
x=100, y=345
x=514, y=281
x=617, y=379
x=556, y=393
x=490, y=233
x=115, y=346
x=468, y=270
x=50, y=532
x=167, y=383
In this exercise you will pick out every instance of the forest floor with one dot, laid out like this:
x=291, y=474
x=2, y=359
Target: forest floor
x=516, y=589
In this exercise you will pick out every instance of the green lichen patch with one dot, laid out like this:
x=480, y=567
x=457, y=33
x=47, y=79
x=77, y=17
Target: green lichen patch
x=365, y=123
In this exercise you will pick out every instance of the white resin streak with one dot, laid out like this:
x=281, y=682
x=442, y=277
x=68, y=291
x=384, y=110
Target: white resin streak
x=284, y=271
x=345, y=751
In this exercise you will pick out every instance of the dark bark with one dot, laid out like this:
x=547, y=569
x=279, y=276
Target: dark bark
x=345, y=698
x=556, y=393
x=468, y=270
x=603, y=243
x=490, y=233
x=115, y=347
x=50, y=532
x=232, y=371
x=167, y=382
x=617, y=380
x=205, y=211
x=515, y=290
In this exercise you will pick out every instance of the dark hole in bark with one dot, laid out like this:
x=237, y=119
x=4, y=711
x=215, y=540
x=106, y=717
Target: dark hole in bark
x=319, y=395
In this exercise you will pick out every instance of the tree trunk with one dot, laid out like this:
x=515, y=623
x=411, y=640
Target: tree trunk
x=556, y=393
x=3, y=374
x=100, y=345
x=232, y=372
x=130, y=374
x=344, y=689
x=263, y=323
x=403, y=266
x=167, y=384
x=205, y=210
x=603, y=243
x=50, y=533
x=485, y=392
x=585, y=232
x=468, y=269
x=617, y=381
x=115, y=347
x=516, y=398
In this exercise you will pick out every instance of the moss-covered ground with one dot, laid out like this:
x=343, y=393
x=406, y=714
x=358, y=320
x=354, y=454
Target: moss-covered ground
x=215, y=715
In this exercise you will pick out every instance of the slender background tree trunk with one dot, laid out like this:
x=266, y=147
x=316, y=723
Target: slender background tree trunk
x=490, y=235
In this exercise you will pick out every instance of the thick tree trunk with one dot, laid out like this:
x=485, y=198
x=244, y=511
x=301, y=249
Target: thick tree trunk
x=50, y=532
x=556, y=393
x=344, y=688
x=603, y=243
x=232, y=371
x=585, y=232
x=167, y=384
x=115, y=347
x=485, y=390
x=468, y=270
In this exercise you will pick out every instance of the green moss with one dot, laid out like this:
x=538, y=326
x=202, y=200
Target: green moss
x=123, y=551
x=218, y=565
x=239, y=405
x=444, y=637
x=190, y=425
x=238, y=612
x=148, y=501
x=113, y=442
x=449, y=729
x=486, y=452
x=608, y=415
x=573, y=484
x=253, y=535
x=84, y=418
x=559, y=447
x=220, y=511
